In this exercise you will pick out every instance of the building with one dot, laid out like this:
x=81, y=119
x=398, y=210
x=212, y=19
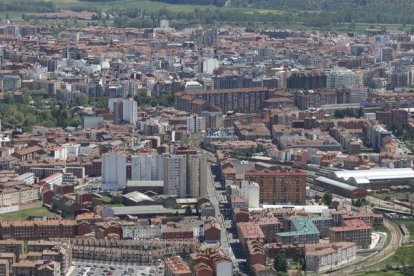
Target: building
x=340, y=188
x=392, y=117
x=114, y=172
x=319, y=257
x=176, y=266
x=375, y=179
x=250, y=191
x=303, y=231
x=315, y=98
x=147, y=167
x=175, y=175
x=238, y=99
x=339, y=78
x=355, y=231
x=307, y=80
x=279, y=186
x=185, y=175
x=195, y=124
x=124, y=110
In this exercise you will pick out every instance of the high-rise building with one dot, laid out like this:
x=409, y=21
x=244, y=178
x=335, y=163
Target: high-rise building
x=125, y=110
x=114, y=172
x=279, y=186
x=185, y=175
x=197, y=175
x=195, y=124
x=341, y=77
x=175, y=175
x=147, y=167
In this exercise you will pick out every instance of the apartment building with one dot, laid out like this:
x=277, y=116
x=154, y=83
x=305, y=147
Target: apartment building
x=279, y=186
x=240, y=99
x=176, y=266
x=325, y=255
x=114, y=176
x=26, y=229
x=355, y=231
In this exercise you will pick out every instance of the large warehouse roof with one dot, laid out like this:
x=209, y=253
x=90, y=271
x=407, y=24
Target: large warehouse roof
x=365, y=176
x=335, y=183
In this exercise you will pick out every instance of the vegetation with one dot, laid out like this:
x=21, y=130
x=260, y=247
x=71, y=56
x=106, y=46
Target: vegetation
x=280, y=263
x=144, y=100
x=360, y=202
x=34, y=109
x=188, y=211
x=27, y=213
x=327, y=198
x=349, y=113
x=112, y=201
x=241, y=153
x=400, y=263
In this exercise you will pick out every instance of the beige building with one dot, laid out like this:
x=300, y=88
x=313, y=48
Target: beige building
x=324, y=256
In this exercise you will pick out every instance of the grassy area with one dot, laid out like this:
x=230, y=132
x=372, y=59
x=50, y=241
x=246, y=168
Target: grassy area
x=107, y=201
x=409, y=224
x=403, y=255
x=381, y=273
x=24, y=214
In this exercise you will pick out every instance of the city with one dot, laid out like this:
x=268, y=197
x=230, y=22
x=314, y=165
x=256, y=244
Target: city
x=202, y=149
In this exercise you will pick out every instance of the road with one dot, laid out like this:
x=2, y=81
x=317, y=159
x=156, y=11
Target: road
x=214, y=197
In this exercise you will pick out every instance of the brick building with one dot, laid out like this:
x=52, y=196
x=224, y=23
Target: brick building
x=280, y=187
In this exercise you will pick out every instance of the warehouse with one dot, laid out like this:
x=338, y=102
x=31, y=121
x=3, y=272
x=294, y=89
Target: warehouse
x=340, y=188
x=375, y=179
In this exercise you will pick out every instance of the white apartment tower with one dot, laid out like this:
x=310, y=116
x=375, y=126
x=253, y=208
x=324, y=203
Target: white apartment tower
x=124, y=110
x=197, y=175
x=175, y=175
x=340, y=77
x=147, y=167
x=113, y=172
x=185, y=175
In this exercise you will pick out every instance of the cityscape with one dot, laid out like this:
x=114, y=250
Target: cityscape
x=138, y=142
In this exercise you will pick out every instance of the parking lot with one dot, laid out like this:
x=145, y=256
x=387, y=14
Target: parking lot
x=92, y=269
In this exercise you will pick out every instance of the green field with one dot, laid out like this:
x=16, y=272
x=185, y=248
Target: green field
x=107, y=201
x=145, y=5
x=24, y=214
x=403, y=256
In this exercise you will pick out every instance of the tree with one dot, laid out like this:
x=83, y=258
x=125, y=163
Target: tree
x=327, y=198
x=188, y=211
x=280, y=262
x=82, y=99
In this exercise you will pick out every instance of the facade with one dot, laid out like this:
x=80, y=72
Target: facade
x=175, y=175
x=340, y=78
x=114, y=172
x=251, y=192
x=326, y=256
x=195, y=124
x=280, y=187
x=147, y=167
x=355, y=231
x=124, y=110
x=315, y=98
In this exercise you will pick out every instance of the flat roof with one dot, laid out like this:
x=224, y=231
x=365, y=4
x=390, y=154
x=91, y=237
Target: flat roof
x=314, y=209
x=145, y=183
x=145, y=210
